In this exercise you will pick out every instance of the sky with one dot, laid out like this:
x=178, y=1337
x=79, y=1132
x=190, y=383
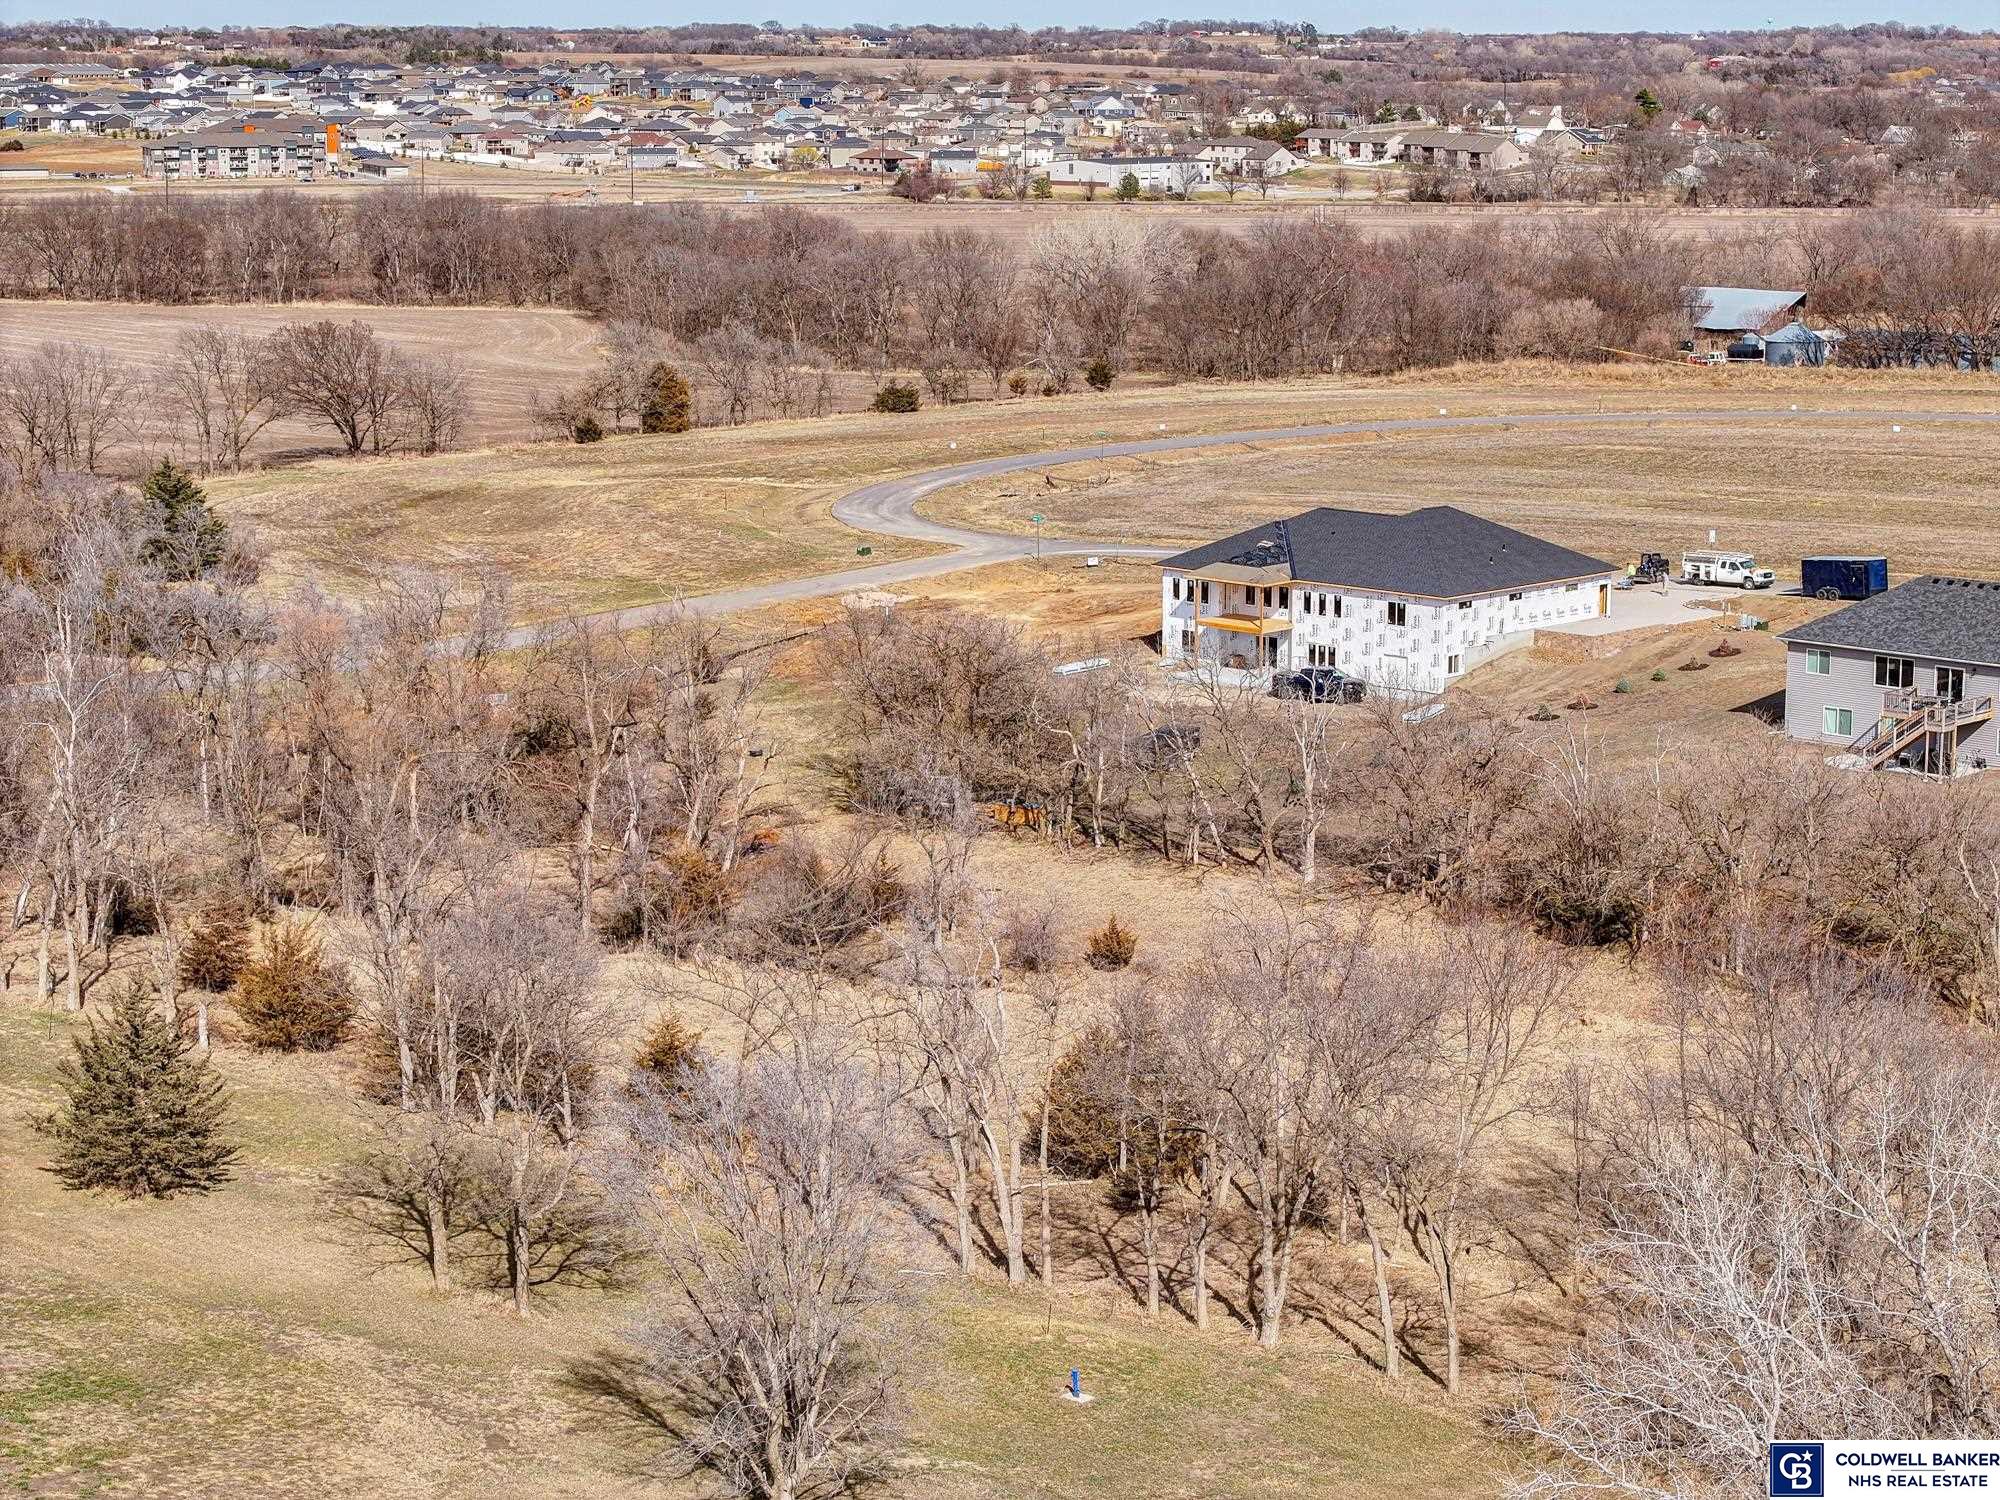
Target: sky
x=1462, y=15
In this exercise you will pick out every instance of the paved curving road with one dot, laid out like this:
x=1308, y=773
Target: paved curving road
x=889, y=507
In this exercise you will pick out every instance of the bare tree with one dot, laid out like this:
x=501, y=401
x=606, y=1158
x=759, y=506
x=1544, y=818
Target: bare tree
x=432, y=405
x=765, y=1192
x=63, y=405
x=340, y=373
x=218, y=385
x=1498, y=997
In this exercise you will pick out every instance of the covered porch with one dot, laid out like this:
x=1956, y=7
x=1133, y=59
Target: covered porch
x=1244, y=642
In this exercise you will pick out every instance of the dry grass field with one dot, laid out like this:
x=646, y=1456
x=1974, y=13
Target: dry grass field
x=507, y=355
x=1783, y=486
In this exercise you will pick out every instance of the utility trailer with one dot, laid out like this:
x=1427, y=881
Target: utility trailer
x=1727, y=569
x=1843, y=577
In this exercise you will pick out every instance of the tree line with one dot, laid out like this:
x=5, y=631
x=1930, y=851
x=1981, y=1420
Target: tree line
x=1285, y=294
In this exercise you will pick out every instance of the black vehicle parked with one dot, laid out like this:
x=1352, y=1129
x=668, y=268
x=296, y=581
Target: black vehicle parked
x=1319, y=685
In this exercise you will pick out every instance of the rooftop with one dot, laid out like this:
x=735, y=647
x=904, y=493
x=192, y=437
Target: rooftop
x=1725, y=309
x=1439, y=552
x=1945, y=618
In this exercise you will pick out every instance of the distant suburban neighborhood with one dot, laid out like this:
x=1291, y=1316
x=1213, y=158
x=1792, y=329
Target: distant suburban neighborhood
x=1169, y=138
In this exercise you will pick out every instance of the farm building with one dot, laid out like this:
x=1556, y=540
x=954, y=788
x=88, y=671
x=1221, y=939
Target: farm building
x=1726, y=316
x=1412, y=601
x=1908, y=677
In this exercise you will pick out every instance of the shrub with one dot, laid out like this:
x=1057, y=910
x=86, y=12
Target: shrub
x=808, y=903
x=1111, y=946
x=1083, y=1126
x=1031, y=937
x=895, y=397
x=1018, y=383
x=1040, y=187
x=1099, y=374
x=291, y=998
x=1761, y=625
x=1659, y=675
x=139, y=1116
x=1128, y=187
x=587, y=429
x=1622, y=685
x=671, y=1054
x=1581, y=702
x=214, y=954
x=684, y=898
x=1692, y=664
x=920, y=186
x=1724, y=651
x=669, y=405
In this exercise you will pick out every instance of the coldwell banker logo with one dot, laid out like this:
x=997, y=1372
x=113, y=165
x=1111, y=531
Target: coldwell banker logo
x=1798, y=1470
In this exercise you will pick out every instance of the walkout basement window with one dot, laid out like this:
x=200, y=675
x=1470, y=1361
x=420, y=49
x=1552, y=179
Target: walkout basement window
x=1895, y=672
x=1839, y=722
x=1453, y=665
x=1399, y=614
x=1819, y=663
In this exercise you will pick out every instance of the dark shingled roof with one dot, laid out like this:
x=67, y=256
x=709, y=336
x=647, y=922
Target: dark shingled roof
x=1440, y=552
x=1951, y=619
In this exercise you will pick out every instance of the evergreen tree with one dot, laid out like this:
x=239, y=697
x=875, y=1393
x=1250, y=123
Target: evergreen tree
x=188, y=537
x=1128, y=187
x=142, y=1118
x=216, y=950
x=669, y=405
x=290, y=998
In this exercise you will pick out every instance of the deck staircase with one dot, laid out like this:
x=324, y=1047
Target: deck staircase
x=1910, y=719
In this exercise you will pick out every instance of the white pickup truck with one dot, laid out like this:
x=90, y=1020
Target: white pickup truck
x=1728, y=569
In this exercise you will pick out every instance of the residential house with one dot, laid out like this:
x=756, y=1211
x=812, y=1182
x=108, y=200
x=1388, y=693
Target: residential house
x=884, y=160
x=1367, y=145
x=1244, y=156
x=1908, y=678
x=1530, y=125
x=1409, y=602
x=1461, y=150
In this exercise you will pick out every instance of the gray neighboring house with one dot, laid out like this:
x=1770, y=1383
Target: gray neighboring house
x=1909, y=677
x=1409, y=601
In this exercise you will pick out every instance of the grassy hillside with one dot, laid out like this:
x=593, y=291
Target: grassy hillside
x=233, y=1344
